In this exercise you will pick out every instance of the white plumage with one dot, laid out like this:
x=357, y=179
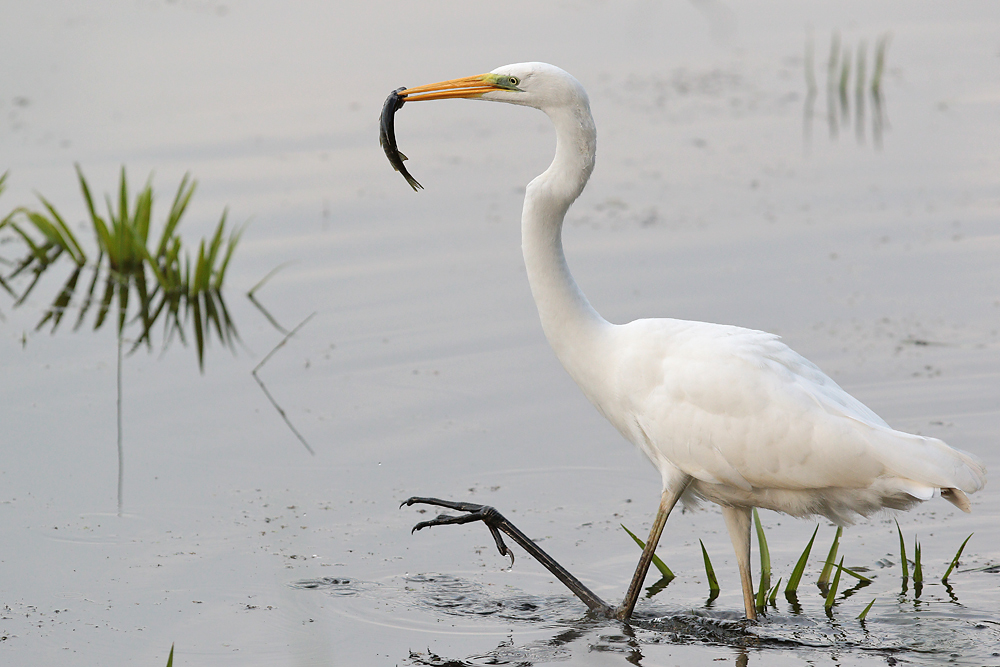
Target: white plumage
x=726, y=414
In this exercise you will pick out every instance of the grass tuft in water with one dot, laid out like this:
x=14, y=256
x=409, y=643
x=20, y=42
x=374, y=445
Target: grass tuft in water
x=800, y=566
x=918, y=570
x=660, y=565
x=139, y=275
x=713, y=582
x=954, y=561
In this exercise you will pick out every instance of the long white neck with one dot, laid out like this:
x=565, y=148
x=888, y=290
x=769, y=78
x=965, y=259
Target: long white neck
x=571, y=324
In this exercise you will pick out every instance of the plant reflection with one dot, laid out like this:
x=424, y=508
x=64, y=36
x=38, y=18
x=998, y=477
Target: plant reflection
x=839, y=71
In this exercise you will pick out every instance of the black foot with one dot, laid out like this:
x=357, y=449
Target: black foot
x=497, y=524
x=488, y=515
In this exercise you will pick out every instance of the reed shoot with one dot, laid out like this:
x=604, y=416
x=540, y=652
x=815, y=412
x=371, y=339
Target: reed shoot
x=713, y=582
x=800, y=566
x=954, y=561
x=660, y=565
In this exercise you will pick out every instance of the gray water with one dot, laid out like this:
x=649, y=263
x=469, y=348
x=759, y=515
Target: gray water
x=722, y=193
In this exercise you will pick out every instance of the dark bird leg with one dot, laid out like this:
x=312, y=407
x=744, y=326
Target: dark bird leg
x=497, y=524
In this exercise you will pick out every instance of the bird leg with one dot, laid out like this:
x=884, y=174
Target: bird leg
x=667, y=502
x=738, y=523
x=497, y=523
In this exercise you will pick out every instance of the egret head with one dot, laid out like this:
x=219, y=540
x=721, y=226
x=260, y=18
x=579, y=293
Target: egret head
x=536, y=85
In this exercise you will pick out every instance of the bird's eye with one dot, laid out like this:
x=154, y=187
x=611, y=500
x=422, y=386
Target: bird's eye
x=514, y=80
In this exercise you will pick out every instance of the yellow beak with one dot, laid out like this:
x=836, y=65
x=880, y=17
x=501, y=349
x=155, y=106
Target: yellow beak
x=469, y=86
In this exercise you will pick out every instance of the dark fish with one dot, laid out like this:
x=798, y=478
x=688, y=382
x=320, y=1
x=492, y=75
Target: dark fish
x=387, y=136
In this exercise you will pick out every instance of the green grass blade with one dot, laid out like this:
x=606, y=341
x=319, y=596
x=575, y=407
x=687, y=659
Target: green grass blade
x=234, y=239
x=199, y=330
x=863, y=615
x=800, y=566
x=859, y=577
x=713, y=582
x=170, y=658
x=831, y=557
x=765, y=561
x=109, y=293
x=181, y=199
x=902, y=552
x=124, y=290
x=773, y=596
x=61, y=303
x=833, y=587
x=88, y=298
x=86, y=195
x=65, y=235
x=123, y=215
x=918, y=571
x=143, y=213
x=954, y=561
x=660, y=565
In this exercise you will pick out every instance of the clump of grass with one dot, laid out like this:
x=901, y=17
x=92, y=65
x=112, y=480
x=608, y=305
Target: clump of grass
x=954, y=561
x=660, y=565
x=141, y=275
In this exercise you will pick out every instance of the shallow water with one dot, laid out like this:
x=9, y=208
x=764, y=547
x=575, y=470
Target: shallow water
x=716, y=197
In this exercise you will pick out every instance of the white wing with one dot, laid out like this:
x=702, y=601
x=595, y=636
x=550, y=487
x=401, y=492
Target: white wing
x=734, y=406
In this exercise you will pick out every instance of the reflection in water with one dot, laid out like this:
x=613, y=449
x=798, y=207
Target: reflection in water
x=838, y=90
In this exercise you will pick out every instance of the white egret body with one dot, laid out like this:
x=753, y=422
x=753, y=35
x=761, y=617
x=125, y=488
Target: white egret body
x=726, y=414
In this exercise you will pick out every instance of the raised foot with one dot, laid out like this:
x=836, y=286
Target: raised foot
x=497, y=523
x=473, y=512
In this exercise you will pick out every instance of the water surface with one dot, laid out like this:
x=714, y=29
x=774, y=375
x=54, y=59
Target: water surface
x=719, y=195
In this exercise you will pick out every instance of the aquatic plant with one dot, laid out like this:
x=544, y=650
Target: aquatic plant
x=146, y=276
x=800, y=566
x=660, y=565
x=832, y=594
x=954, y=561
x=824, y=576
x=765, y=562
x=902, y=553
x=713, y=582
x=864, y=614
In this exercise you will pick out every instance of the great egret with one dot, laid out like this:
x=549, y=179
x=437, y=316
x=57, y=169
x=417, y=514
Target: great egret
x=726, y=414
